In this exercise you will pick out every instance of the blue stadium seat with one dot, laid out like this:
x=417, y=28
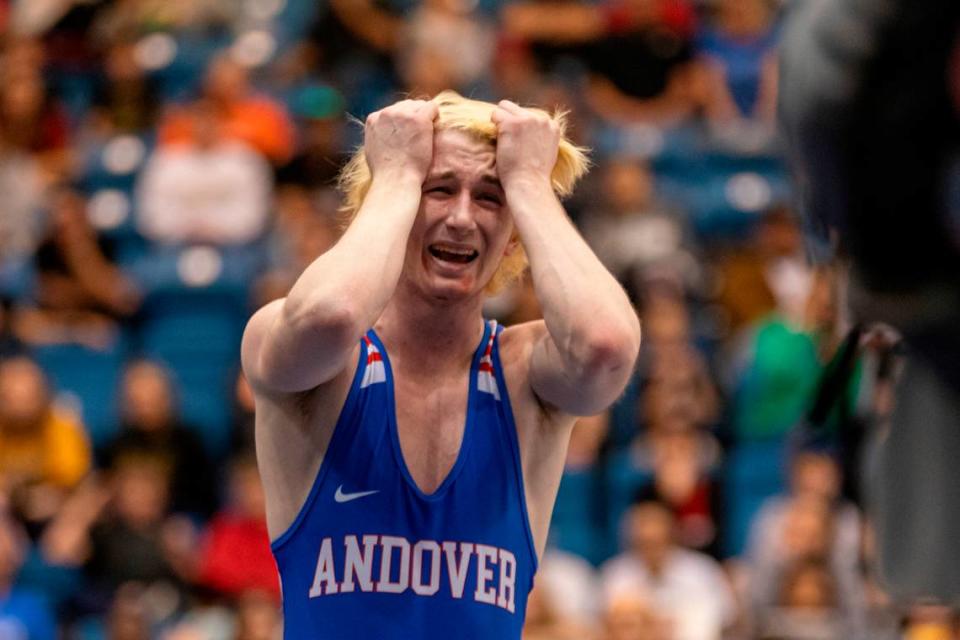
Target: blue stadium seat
x=195, y=330
x=91, y=377
x=754, y=471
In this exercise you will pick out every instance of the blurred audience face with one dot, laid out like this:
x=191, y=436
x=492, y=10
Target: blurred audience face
x=650, y=533
x=665, y=319
x=226, y=81
x=815, y=474
x=147, y=397
x=24, y=396
x=257, y=618
x=779, y=235
x=128, y=619
x=141, y=491
x=744, y=18
x=246, y=490
x=22, y=101
x=627, y=186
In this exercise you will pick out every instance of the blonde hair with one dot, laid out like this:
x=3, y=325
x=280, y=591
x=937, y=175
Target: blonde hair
x=473, y=118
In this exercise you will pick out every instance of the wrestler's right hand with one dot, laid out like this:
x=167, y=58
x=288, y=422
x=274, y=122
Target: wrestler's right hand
x=398, y=140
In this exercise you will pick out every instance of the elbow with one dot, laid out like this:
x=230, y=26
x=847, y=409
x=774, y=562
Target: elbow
x=612, y=348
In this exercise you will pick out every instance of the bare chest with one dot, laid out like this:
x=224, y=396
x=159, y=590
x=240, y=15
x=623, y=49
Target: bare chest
x=431, y=419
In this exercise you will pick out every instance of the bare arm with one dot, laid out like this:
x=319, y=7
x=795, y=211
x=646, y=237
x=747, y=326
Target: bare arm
x=582, y=362
x=299, y=342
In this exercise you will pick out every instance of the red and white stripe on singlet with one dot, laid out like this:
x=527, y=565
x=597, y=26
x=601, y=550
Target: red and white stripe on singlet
x=375, y=371
x=486, y=380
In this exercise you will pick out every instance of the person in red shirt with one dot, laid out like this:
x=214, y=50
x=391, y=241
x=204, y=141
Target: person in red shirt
x=235, y=555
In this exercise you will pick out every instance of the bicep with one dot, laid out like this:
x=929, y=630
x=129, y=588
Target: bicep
x=282, y=354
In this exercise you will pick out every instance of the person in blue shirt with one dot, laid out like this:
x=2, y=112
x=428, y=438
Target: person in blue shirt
x=410, y=450
x=24, y=615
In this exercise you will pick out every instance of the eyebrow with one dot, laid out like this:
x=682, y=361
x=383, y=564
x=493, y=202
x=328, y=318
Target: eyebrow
x=488, y=178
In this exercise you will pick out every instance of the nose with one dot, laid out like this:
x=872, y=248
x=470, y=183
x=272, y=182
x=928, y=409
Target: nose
x=460, y=216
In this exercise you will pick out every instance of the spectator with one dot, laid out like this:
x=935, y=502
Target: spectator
x=43, y=452
x=125, y=98
x=205, y=188
x=320, y=111
x=769, y=275
x=23, y=614
x=119, y=530
x=445, y=44
x=81, y=293
x=776, y=367
x=686, y=588
x=807, y=532
x=32, y=121
x=235, y=553
x=681, y=481
x=739, y=47
x=807, y=606
x=636, y=237
x=237, y=111
x=21, y=222
x=151, y=426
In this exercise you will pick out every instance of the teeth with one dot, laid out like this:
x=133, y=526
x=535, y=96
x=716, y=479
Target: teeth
x=454, y=250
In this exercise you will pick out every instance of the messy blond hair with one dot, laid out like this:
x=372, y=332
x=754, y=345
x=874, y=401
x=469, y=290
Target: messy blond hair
x=473, y=118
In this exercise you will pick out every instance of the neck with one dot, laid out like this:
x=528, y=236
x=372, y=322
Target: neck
x=429, y=332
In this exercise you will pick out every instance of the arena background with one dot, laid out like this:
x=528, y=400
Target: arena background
x=168, y=166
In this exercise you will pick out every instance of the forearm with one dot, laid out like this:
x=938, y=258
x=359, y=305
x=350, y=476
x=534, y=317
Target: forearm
x=358, y=275
x=307, y=338
x=587, y=313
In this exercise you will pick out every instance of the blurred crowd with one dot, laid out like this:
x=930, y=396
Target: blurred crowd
x=168, y=166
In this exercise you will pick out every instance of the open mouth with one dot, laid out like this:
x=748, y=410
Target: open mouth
x=449, y=253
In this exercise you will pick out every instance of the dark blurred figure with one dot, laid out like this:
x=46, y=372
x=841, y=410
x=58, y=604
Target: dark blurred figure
x=322, y=149
x=235, y=552
x=639, y=53
x=82, y=296
x=875, y=143
x=44, y=452
x=129, y=617
x=151, y=426
x=119, y=530
x=23, y=614
x=31, y=118
x=125, y=99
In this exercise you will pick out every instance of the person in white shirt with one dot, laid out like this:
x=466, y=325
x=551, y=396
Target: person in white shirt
x=685, y=588
x=211, y=191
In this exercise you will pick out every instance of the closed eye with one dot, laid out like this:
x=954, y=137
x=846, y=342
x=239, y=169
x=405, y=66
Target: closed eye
x=491, y=198
x=447, y=191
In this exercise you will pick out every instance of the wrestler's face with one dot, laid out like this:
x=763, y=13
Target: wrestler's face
x=463, y=228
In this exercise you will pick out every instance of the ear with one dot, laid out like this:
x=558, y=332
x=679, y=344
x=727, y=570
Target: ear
x=512, y=245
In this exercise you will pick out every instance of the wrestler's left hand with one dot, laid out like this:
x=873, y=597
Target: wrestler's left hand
x=527, y=144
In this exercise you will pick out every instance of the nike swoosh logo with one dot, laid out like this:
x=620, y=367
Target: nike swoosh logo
x=340, y=496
